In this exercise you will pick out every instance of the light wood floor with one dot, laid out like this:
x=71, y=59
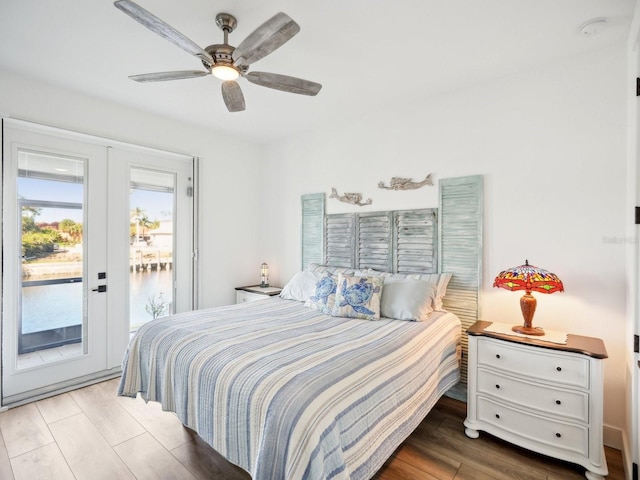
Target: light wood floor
x=92, y=434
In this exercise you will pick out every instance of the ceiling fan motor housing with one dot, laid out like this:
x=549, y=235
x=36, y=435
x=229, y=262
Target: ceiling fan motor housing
x=221, y=53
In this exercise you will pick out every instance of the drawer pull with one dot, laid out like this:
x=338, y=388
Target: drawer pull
x=497, y=355
x=559, y=369
x=497, y=415
x=558, y=435
x=558, y=402
x=498, y=386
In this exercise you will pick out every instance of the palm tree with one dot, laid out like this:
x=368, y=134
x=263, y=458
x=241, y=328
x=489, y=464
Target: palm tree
x=76, y=232
x=71, y=228
x=139, y=219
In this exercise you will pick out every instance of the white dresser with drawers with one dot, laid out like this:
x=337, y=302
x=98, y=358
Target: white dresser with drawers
x=542, y=396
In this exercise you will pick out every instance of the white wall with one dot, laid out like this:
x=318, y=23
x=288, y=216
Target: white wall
x=229, y=182
x=550, y=143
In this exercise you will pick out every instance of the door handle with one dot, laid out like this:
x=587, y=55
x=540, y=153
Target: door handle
x=100, y=289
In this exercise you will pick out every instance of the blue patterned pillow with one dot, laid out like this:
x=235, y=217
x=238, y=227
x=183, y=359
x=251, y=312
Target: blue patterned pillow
x=358, y=297
x=325, y=294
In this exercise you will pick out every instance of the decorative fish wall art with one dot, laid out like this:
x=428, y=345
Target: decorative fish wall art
x=398, y=183
x=352, y=198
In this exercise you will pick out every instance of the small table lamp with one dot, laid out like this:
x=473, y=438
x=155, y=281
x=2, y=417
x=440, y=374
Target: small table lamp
x=528, y=278
x=264, y=275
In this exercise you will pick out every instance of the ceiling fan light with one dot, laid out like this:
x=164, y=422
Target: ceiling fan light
x=224, y=72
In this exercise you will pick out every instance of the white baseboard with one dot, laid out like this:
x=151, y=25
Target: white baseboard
x=612, y=437
x=627, y=458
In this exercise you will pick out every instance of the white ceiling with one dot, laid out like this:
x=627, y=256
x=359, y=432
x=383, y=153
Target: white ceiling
x=367, y=54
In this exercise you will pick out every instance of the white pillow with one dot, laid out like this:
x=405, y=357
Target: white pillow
x=301, y=286
x=441, y=280
x=407, y=299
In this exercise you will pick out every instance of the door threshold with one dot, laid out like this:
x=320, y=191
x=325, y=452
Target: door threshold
x=58, y=388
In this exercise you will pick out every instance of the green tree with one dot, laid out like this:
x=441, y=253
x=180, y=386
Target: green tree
x=65, y=225
x=39, y=244
x=141, y=223
x=72, y=229
x=76, y=232
x=29, y=215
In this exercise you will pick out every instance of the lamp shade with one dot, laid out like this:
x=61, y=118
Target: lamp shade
x=530, y=279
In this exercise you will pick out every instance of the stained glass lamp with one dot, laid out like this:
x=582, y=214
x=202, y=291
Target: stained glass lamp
x=530, y=279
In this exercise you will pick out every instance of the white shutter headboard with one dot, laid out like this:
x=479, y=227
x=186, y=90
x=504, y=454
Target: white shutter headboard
x=461, y=211
x=402, y=241
x=447, y=239
x=312, y=229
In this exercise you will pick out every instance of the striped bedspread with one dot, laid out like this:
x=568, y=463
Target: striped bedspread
x=289, y=393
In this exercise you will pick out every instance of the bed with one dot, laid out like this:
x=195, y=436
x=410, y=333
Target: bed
x=289, y=388
x=288, y=392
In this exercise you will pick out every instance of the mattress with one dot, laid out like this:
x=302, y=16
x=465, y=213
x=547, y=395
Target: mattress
x=287, y=392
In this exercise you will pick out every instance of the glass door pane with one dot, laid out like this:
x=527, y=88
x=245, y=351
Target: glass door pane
x=152, y=220
x=52, y=304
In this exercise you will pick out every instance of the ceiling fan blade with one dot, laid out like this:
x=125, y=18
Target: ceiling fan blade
x=232, y=95
x=163, y=76
x=284, y=83
x=163, y=29
x=265, y=39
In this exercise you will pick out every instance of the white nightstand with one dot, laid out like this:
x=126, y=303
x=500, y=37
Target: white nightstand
x=255, y=292
x=539, y=395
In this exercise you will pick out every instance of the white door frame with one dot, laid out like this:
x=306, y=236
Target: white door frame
x=631, y=438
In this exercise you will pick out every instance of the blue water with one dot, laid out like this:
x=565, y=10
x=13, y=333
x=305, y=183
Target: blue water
x=46, y=307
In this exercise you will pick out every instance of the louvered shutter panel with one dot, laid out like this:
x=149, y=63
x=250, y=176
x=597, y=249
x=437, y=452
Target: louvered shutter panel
x=415, y=240
x=460, y=252
x=340, y=240
x=312, y=230
x=375, y=241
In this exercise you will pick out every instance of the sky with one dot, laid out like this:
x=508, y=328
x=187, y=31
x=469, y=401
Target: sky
x=157, y=205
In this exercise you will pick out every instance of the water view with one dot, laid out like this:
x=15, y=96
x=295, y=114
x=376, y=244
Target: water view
x=47, y=307
x=146, y=287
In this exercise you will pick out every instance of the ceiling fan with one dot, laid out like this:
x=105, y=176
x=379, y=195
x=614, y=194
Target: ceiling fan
x=224, y=61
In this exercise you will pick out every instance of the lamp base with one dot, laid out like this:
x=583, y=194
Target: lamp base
x=528, y=330
x=528, y=306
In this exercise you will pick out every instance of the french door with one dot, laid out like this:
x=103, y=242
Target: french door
x=151, y=232
x=86, y=226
